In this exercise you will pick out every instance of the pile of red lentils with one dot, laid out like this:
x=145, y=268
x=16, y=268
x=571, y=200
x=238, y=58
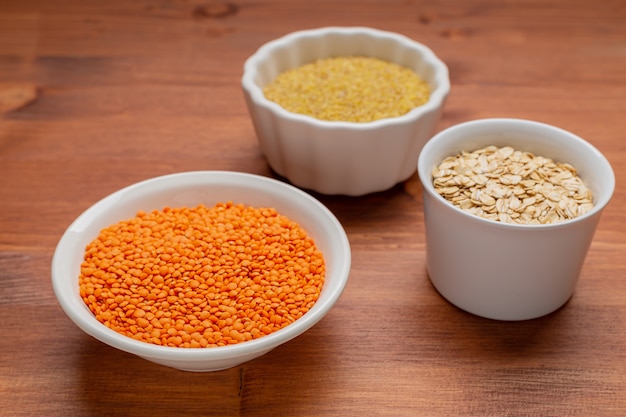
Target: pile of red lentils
x=201, y=277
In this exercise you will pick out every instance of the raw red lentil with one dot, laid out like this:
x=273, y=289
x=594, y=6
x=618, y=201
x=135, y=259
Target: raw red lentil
x=201, y=277
x=350, y=88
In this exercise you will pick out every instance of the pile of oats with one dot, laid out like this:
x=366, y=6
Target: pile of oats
x=511, y=186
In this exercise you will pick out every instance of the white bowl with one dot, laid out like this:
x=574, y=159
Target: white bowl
x=336, y=157
x=500, y=270
x=190, y=189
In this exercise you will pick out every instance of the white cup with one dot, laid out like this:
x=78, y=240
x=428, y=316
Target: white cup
x=507, y=271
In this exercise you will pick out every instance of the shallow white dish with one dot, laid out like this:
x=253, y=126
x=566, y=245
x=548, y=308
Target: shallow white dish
x=337, y=157
x=509, y=271
x=190, y=189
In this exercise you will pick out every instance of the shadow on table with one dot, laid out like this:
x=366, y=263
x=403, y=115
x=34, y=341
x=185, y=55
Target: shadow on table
x=464, y=337
x=120, y=384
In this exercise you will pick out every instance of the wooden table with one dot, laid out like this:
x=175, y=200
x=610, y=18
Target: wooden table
x=96, y=95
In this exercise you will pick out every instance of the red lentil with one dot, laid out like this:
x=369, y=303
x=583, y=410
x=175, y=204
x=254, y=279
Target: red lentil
x=201, y=277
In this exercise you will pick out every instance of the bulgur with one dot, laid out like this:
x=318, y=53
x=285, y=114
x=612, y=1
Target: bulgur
x=353, y=89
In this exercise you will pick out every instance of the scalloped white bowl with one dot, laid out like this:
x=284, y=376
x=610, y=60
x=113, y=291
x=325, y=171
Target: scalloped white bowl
x=336, y=157
x=190, y=189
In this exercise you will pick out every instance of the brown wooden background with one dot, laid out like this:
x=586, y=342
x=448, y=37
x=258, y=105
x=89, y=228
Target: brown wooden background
x=96, y=95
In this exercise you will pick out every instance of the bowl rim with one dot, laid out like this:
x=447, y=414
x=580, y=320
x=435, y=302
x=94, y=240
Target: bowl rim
x=436, y=100
x=425, y=175
x=78, y=312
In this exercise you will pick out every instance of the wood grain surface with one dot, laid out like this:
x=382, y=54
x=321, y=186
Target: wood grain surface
x=96, y=95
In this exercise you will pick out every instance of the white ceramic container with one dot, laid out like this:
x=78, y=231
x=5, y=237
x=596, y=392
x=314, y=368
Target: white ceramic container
x=336, y=157
x=188, y=190
x=509, y=271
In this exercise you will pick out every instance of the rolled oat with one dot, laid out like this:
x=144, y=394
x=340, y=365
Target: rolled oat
x=512, y=186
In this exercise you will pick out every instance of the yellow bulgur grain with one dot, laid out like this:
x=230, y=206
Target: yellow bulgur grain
x=353, y=89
